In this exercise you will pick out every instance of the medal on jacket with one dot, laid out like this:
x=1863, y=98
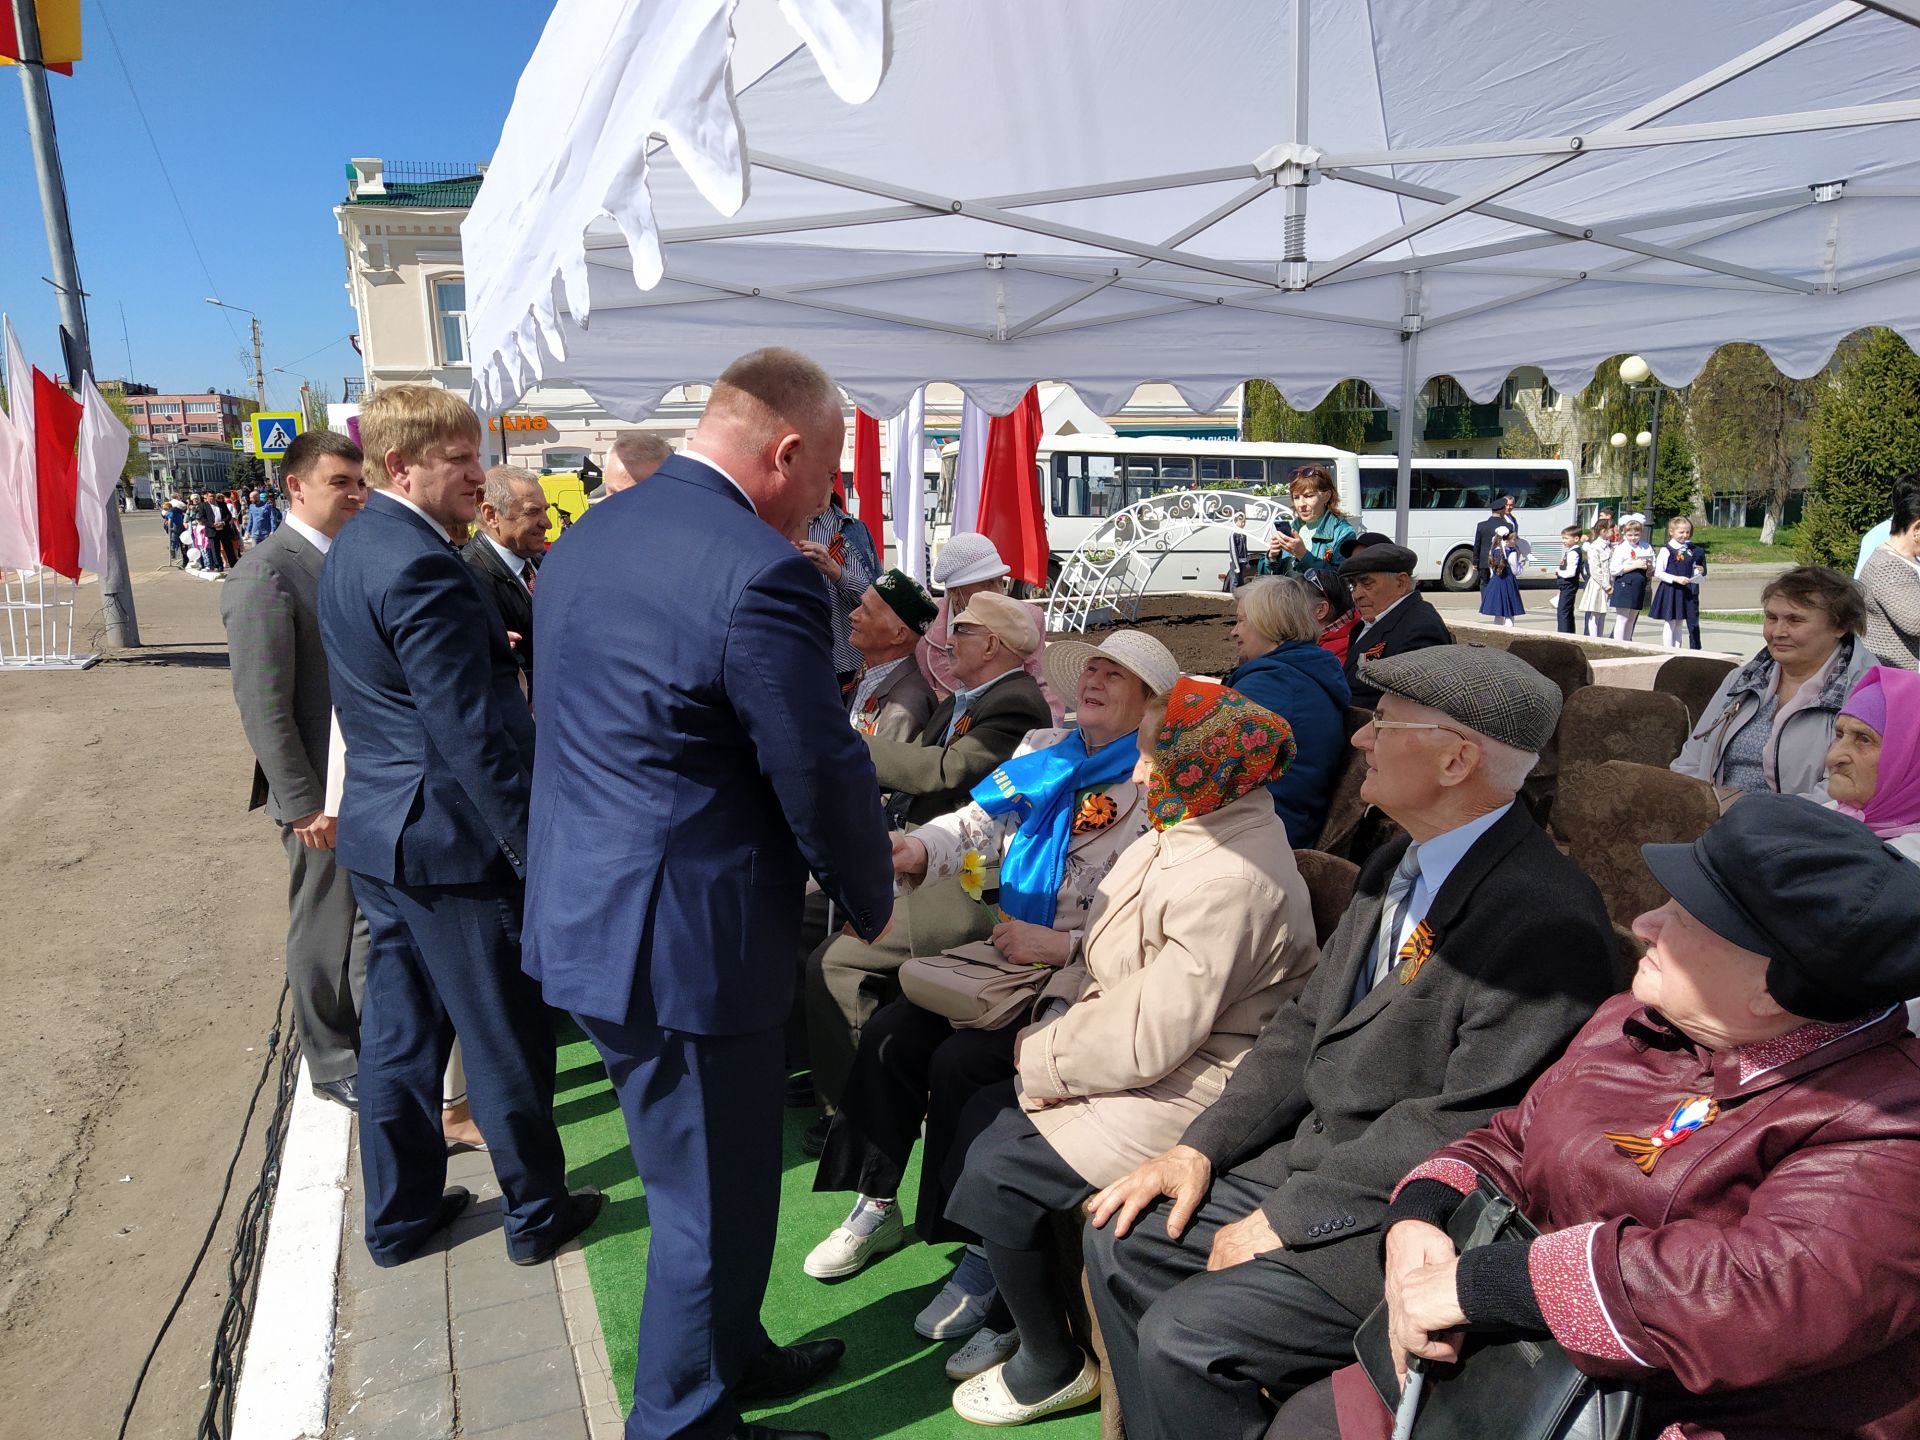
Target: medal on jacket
x=1374, y=652
x=837, y=551
x=960, y=727
x=1691, y=1114
x=1414, y=953
x=1096, y=812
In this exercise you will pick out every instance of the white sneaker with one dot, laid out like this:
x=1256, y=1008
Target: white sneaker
x=844, y=1253
x=985, y=1399
x=985, y=1350
x=953, y=1313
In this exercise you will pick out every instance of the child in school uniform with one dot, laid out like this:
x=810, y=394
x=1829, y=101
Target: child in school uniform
x=1595, y=594
x=1572, y=576
x=1631, y=566
x=1500, y=600
x=1676, y=596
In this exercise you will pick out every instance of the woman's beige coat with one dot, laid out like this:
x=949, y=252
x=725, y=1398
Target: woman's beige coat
x=1195, y=937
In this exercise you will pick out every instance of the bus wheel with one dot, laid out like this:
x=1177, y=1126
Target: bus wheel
x=1459, y=572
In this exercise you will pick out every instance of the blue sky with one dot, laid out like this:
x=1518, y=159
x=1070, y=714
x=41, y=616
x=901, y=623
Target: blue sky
x=256, y=108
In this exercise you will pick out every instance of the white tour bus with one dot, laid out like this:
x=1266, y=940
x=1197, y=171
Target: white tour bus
x=1085, y=478
x=1450, y=499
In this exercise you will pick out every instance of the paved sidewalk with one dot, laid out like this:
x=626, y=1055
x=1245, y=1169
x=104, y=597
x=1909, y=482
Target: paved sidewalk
x=461, y=1342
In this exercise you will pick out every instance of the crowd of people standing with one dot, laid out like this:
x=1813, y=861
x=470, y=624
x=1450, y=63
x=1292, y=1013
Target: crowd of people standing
x=777, y=826
x=209, y=530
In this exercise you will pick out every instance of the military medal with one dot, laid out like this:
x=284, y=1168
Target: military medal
x=1374, y=652
x=1691, y=1114
x=960, y=727
x=1415, y=952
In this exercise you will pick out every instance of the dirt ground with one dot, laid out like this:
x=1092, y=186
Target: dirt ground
x=1194, y=627
x=145, y=913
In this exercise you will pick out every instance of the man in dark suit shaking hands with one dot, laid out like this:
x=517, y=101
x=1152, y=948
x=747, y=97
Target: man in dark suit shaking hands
x=695, y=763
x=433, y=830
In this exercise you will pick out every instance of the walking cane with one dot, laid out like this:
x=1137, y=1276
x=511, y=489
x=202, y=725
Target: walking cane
x=1410, y=1399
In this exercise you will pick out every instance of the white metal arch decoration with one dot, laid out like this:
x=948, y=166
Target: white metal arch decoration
x=1109, y=571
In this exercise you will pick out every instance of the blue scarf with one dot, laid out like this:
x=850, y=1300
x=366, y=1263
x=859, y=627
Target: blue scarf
x=1040, y=788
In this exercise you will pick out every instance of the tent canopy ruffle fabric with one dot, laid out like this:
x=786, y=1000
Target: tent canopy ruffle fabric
x=1110, y=192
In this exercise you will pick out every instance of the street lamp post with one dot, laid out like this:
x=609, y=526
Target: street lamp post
x=1637, y=373
x=259, y=375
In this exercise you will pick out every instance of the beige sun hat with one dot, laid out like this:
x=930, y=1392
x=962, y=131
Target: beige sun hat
x=1132, y=650
x=1003, y=617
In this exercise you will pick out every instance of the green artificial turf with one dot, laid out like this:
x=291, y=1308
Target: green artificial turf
x=891, y=1383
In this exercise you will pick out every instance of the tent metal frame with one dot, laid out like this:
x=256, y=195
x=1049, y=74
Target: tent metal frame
x=1179, y=278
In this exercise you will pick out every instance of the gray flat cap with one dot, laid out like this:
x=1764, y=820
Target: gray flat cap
x=1487, y=690
x=1385, y=559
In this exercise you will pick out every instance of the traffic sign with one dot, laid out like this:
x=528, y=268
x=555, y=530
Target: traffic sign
x=270, y=432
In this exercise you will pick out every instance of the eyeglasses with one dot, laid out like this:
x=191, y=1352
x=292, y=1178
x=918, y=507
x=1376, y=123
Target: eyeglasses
x=1379, y=724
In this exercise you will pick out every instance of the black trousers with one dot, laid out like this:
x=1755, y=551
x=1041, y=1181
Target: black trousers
x=1011, y=1181
x=441, y=960
x=913, y=1065
x=1193, y=1352
x=1563, y=616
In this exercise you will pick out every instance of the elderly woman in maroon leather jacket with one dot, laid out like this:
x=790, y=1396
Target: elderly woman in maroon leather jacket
x=1725, y=1165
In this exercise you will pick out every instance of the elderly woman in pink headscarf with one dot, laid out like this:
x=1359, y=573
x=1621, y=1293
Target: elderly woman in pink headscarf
x=1873, y=767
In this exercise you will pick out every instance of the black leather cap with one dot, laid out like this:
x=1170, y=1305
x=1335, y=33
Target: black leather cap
x=1835, y=910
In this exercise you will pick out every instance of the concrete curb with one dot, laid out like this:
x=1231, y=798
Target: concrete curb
x=288, y=1364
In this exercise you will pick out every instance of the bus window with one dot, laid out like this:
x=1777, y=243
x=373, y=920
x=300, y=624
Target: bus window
x=1142, y=478
x=1084, y=486
x=1215, y=469
x=1535, y=489
x=1451, y=490
x=1250, y=472
x=1380, y=489
x=1176, y=472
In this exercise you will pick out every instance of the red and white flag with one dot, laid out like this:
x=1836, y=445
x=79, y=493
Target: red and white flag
x=19, y=505
x=103, y=455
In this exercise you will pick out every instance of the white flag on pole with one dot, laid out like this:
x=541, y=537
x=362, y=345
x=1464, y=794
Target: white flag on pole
x=19, y=497
x=971, y=466
x=103, y=455
x=909, y=486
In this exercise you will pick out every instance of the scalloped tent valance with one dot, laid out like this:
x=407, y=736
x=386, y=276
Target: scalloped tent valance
x=1107, y=192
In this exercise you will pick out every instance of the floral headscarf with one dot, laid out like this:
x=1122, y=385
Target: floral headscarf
x=1887, y=702
x=1214, y=746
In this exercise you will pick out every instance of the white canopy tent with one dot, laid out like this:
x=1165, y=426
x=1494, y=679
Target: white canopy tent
x=1106, y=192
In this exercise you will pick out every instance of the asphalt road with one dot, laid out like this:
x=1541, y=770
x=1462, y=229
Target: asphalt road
x=1735, y=588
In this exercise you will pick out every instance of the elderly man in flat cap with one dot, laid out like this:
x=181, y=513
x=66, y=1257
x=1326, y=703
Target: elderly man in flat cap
x=977, y=727
x=1394, y=618
x=891, y=698
x=1234, y=1269
x=970, y=565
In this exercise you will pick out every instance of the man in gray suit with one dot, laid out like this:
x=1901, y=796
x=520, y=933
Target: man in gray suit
x=280, y=684
x=1437, y=1001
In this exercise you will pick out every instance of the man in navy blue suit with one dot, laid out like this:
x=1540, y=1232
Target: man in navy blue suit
x=433, y=833
x=695, y=763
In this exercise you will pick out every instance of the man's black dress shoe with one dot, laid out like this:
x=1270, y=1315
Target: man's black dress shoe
x=814, y=1140
x=455, y=1200
x=787, y=1370
x=587, y=1203
x=341, y=1092
x=767, y=1432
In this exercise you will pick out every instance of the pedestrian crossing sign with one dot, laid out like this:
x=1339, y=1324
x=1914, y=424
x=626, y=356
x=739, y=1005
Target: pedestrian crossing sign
x=272, y=431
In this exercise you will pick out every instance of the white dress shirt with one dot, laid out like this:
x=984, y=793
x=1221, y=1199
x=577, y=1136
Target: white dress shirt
x=516, y=564
x=306, y=532
x=1437, y=859
x=399, y=499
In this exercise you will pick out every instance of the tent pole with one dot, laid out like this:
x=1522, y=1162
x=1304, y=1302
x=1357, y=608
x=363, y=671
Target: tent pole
x=1409, y=404
x=1293, y=264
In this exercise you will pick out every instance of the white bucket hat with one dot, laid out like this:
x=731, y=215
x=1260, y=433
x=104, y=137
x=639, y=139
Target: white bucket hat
x=968, y=559
x=1132, y=650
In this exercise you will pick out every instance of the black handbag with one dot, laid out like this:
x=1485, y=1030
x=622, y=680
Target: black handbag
x=1515, y=1386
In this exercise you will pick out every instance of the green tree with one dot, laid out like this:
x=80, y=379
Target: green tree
x=246, y=473
x=1864, y=436
x=1339, y=420
x=1748, y=424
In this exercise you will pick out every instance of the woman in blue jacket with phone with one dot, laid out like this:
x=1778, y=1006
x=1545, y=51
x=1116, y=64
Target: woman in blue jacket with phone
x=1318, y=531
